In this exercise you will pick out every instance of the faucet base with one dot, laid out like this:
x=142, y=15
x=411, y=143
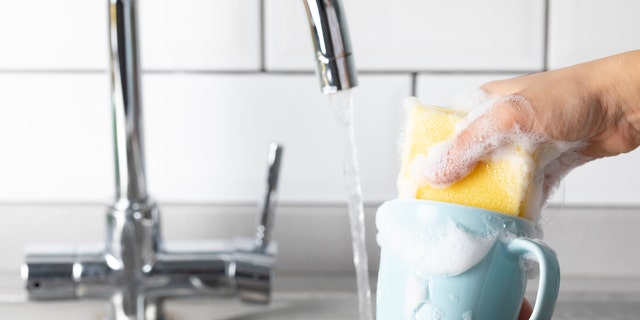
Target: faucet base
x=136, y=271
x=183, y=269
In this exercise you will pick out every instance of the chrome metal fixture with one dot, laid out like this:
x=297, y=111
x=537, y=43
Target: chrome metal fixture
x=136, y=270
x=332, y=46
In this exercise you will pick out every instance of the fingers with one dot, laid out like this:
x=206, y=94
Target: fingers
x=526, y=310
x=453, y=160
x=503, y=88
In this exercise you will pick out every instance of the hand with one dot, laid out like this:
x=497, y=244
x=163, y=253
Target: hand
x=573, y=115
x=525, y=311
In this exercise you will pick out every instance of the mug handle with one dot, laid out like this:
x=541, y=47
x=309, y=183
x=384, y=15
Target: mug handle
x=549, y=283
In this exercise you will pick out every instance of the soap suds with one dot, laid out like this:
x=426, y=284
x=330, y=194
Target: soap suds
x=429, y=247
x=454, y=158
x=427, y=311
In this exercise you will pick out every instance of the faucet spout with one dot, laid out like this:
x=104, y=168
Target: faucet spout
x=336, y=68
x=126, y=101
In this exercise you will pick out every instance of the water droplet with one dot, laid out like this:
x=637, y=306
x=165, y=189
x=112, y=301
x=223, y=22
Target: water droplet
x=453, y=297
x=510, y=225
x=467, y=315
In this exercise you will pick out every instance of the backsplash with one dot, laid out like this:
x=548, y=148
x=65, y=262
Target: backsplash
x=222, y=78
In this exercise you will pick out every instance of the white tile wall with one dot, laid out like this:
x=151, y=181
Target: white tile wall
x=222, y=88
x=410, y=35
x=200, y=34
x=609, y=181
x=55, y=137
x=194, y=35
x=440, y=89
x=596, y=242
x=42, y=34
x=582, y=30
x=208, y=136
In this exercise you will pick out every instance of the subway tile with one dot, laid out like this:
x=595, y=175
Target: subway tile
x=200, y=34
x=607, y=181
x=596, y=243
x=55, y=134
x=417, y=35
x=43, y=34
x=582, y=30
x=440, y=90
x=194, y=35
x=207, y=136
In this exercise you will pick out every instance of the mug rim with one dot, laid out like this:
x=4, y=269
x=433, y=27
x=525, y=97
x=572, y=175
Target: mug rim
x=474, y=219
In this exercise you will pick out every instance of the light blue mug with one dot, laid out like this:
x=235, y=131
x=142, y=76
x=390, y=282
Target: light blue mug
x=445, y=261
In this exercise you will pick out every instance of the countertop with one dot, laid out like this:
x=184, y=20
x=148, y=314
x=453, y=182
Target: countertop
x=326, y=297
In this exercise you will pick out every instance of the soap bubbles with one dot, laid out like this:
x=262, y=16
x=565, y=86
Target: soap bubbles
x=429, y=246
x=487, y=133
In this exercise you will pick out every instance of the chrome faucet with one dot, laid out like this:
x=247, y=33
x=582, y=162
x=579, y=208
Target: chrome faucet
x=335, y=67
x=136, y=270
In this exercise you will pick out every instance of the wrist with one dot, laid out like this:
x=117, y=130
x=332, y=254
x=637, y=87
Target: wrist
x=619, y=94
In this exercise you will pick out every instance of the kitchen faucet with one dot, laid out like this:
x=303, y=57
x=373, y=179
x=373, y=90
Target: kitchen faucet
x=135, y=269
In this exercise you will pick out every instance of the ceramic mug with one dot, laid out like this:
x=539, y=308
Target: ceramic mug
x=446, y=261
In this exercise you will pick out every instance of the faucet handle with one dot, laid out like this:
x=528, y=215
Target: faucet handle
x=268, y=203
x=255, y=259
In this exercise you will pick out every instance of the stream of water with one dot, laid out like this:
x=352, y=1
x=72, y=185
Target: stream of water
x=342, y=103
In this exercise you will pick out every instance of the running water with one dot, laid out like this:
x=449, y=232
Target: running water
x=342, y=103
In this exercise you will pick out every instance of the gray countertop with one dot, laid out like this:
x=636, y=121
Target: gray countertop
x=326, y=297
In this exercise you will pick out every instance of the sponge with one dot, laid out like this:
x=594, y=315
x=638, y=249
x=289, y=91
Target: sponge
x=500, y=184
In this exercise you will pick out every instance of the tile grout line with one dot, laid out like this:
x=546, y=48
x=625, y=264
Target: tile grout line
x=545, y=44
x=414, y=83
x=263, y=63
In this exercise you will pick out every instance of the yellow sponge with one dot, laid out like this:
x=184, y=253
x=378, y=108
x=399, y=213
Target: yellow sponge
x=499, y=185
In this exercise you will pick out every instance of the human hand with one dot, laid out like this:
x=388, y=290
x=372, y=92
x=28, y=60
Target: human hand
x=525, y=311
x=571, y=115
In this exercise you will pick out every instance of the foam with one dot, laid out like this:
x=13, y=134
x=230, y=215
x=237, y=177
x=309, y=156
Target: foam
x=491, y=144
x=432, y=248
x=427, y=311
x=554, y=158
x=551, y=160
x=498, y=185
